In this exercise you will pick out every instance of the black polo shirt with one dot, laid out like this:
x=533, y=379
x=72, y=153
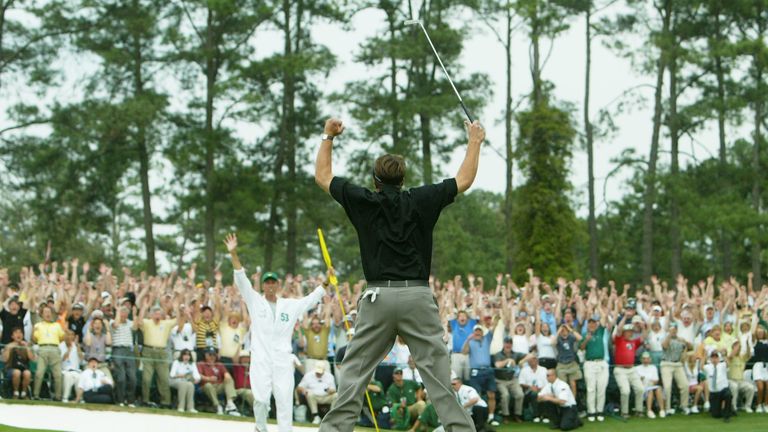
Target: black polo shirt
x=10, y=322
x=394, y=227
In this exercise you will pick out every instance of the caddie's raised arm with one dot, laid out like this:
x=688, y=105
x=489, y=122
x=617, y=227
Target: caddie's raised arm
x=242, y=282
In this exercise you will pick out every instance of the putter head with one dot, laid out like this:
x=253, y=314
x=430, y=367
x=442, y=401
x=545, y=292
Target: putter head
x=412, y=22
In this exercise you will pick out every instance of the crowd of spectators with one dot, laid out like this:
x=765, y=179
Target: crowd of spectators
x=560, y=354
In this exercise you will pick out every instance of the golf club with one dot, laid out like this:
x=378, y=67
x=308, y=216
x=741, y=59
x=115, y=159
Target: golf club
x=461, y=101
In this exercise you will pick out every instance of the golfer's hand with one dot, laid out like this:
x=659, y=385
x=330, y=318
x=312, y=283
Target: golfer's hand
x=475, y=131
x=334, y=127
x=231, y=242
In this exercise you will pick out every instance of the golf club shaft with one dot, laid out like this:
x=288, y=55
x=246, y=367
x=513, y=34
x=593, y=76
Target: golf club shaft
x=447, y=75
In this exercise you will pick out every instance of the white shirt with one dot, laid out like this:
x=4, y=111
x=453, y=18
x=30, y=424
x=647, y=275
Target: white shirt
x=722, y=376
x=544, y=347
x=92, y=380
x=530, y=377
x=72, y=362
x=412, y=374
x=184, y=339
x=560, y=390
x=521, y=344
x=401, y=353
x=655, y=339
x=466, y=394
x=687, y=333
x=648, y=374
x=180, y=368
x=271, y=332
x=318, y=386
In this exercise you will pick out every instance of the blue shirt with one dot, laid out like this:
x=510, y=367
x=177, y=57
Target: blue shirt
x=480, y=352
x=548, y=318
x=460, y=333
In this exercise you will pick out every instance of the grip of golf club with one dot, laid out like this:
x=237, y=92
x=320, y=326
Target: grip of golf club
x=466, y=111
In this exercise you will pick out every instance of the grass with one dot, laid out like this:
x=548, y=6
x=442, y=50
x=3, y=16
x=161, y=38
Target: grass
x=692, y=423
x=4, y=428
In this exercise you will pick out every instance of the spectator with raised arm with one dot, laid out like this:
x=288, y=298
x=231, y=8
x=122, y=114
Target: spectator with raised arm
x=48, y=335
x=626, y=345
x=123, y=355
x=155, y=359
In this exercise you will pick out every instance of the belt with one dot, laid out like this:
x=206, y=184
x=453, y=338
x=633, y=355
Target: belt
x=156, y=348
x=398, y=283
x=595, y=360
x=123, y=347
x=48, y=345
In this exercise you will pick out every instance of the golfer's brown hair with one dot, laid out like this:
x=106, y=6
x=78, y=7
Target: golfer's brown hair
x=389, y=169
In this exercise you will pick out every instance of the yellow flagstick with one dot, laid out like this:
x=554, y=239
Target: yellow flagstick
x=334, y=281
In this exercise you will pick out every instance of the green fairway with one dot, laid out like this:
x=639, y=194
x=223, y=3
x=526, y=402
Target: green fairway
x=4, y=428
x=693, y=423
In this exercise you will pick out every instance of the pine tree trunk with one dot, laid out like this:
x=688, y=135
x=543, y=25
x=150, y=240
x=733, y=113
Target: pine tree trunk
x=649, y=195
x=397, y=146
x=289, y=132
x=674, y=210
x=510, y=242
x=756, y=249
x=210, y=73
x=592, y=221
x=141, y=142
x=724, y=180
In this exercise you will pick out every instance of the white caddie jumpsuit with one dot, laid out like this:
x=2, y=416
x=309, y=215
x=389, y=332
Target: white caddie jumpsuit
x=271, y=366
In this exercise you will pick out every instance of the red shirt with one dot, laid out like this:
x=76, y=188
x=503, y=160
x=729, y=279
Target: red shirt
x=216, y=369
x=625, y=350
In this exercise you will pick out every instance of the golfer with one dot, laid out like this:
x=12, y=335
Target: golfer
x=272, y=324
x=394, y=229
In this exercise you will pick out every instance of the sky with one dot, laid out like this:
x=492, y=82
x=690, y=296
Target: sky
x=612, y=75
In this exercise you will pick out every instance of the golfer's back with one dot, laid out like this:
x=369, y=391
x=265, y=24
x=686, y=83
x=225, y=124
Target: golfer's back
x=394, y=227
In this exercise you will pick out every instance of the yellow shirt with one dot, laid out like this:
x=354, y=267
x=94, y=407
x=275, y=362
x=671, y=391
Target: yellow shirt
x=205, y=333
x=48, y=333
x=317, y=343
x=711, y=344
x=156, y=335
x=231, y=340
x=736, y=366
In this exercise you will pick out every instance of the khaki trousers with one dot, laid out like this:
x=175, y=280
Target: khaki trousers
x=71, y=378
x=510, y=388
x=744, y=388
x=156, y=361
x=626, y=378
x=186, y=393
x=676, y=371
x=214, y=390
x=48, y=357
x=313, y=400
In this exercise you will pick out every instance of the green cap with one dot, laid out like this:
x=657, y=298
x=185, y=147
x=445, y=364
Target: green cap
x=269, y=275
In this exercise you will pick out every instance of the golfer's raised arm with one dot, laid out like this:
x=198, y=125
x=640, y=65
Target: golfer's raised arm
x=323, y=169
x=468, y=170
